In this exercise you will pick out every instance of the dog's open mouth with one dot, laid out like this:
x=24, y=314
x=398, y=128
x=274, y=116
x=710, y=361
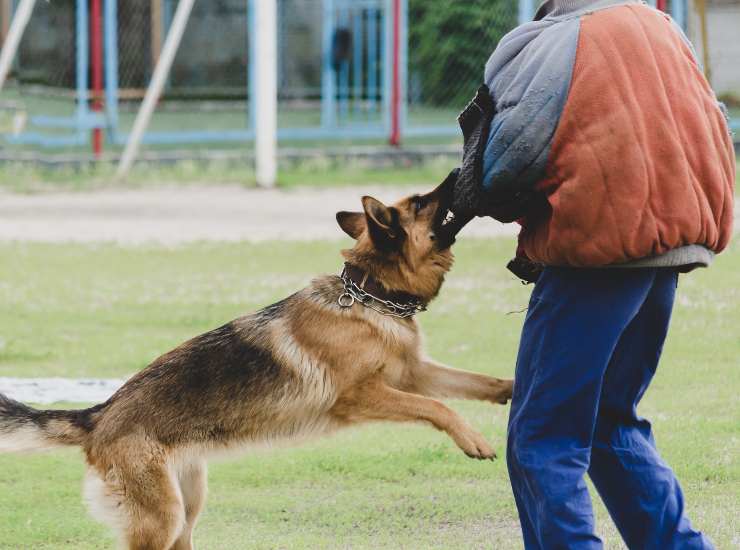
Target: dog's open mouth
x=448, y=225
x=449, y=218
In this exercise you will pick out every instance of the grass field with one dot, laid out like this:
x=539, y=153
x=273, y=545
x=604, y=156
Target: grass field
x=73, y=310
x=317, y=172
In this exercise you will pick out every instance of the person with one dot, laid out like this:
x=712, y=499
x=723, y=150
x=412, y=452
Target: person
x=597, y=131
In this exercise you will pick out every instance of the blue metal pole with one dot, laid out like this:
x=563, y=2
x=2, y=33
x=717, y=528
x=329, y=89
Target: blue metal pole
x=359, y=42
x=168, y=10
x=167, y=14
x=344, y=90
x=110, y=16
x=372, y=58
x=83, y=56
x=251, y=71
x=328, y=85
x=678, y=12
x=386, y=50
x=404, y=62
x=526, y=10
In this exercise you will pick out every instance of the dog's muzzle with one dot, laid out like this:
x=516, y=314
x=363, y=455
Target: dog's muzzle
x=447, y=223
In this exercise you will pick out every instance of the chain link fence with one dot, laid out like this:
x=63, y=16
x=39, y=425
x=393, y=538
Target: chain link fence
x=334, y=68
x=448, y=46
x=44, y=67
x=207, y=88
x=299, y=62
x=46, y=54
x=135, y=58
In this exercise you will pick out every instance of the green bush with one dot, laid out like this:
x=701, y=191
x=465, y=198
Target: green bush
x=449, y=44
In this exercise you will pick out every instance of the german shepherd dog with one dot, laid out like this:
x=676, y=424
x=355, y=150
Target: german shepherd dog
x=342, y=351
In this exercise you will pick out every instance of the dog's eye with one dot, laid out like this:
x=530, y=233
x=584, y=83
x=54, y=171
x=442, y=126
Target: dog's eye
x=418, y=204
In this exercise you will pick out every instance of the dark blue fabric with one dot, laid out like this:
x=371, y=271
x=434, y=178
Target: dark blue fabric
x=589, y=349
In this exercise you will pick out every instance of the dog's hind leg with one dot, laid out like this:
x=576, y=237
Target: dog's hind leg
x=143, y=503
x=105, y=501
x=192, y=476
x=154, y=506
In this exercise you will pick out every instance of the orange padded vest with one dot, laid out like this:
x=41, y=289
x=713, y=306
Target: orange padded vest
x=642, y=160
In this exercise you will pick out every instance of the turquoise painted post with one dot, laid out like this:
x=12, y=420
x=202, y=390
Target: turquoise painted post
x=678, y=12
x=358, y=41
x=110, y=14
x=251, y=70
x=328, y=83
x=526, y=10
x=404, y=62
x=344, y=91
x=82, y=61
x=168, y=13
x=372, y=58
x=386, y=46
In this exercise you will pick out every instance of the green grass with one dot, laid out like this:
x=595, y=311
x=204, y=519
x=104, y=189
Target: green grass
x=74, y=310
x=318, y=172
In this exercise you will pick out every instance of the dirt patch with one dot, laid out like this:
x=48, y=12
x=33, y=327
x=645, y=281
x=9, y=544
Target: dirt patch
x=180, y=215
x=45, y=391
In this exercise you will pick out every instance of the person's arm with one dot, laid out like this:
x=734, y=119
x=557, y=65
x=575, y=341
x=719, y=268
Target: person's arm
x=528, y=76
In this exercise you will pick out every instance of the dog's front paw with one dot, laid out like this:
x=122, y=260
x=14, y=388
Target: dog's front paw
x=501, y=391
x=475, y=445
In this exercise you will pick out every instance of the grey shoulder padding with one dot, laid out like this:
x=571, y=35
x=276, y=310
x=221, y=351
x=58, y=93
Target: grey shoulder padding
x=529, y=76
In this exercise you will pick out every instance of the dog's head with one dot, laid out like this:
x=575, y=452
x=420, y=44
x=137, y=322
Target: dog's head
x=406, y=246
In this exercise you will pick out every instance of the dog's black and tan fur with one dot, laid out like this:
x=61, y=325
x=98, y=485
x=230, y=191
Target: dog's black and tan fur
x=304, y=366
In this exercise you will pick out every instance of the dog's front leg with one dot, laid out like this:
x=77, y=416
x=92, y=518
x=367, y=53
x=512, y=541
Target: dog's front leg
x=375, y=400
x=436, y=380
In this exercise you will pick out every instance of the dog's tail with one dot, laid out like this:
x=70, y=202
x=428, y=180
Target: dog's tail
x=23, y=428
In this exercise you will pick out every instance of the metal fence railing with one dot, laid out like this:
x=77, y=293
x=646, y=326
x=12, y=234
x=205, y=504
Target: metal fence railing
x=352, y=69
x=333, y=68
x=52, y=79
x=448, y=45
x=333, y=56
x=207, y=94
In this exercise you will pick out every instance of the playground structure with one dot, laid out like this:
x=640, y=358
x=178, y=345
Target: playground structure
x=363, y=73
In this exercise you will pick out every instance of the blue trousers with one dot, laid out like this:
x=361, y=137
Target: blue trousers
x=589, y=349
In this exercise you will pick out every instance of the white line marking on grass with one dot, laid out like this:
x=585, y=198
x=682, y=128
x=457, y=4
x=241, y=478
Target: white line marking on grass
x=54, y=390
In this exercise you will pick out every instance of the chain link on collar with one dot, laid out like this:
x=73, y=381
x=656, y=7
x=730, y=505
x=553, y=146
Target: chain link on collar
x=353, y=293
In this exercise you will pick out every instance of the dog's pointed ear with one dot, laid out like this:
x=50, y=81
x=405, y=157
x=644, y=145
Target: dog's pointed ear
x=383, y=224
x=352, y=223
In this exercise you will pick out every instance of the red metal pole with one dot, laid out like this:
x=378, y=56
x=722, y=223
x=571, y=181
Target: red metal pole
x=395, y=137
x=662, y=5
x=96, y=62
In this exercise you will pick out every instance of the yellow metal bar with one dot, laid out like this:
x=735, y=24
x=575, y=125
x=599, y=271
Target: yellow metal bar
x=157, y=33
x=701, y=8
x=6, y=14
